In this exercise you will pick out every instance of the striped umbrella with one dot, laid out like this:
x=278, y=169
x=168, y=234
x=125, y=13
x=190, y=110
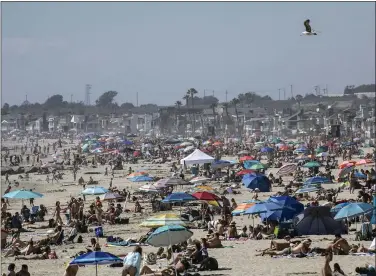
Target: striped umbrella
x=241, y=208
x=286, y=169
x=163, y=220
x=172, y=182
x=150, y=188
x=169, y=235
x=110, y=196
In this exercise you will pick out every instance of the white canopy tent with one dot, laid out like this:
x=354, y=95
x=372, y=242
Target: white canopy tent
x=197, y=157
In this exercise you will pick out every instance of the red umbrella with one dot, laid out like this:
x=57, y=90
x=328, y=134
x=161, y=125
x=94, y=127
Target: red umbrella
x=217, y=143
x=244, y=172
x=136, y=153
x=245, y=158
x=206, y=196
x=284, y=148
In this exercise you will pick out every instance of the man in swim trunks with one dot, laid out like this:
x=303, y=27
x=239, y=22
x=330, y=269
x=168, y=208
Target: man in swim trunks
x=340, y=246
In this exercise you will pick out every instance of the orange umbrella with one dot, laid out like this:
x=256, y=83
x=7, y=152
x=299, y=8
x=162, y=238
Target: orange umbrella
x=242, y=207
x=346, y=164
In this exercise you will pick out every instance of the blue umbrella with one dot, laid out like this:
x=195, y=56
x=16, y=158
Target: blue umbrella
x=338, y=207
x=267, y=149
x=292, y=208
x=169, y=235
x=22, y=194
x=179, y=197
x=96, y=258
x=263, y=207
x=308, y=189
x=317, y=180
x=94, y=191
x=259, y=181
x=360, y=175
x=221, y=164
x=127, y=142
x=353, y=210
x=141, y=178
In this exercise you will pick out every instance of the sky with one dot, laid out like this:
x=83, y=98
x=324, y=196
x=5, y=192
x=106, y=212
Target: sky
x=162, y=49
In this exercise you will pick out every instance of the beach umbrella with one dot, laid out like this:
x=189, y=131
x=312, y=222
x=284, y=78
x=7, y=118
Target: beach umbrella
x=360, y=175
x=283, y=148
x=323, y=154
x=22, y=194
x=243, y=152
x=136, y=174
x=246, y=158
x=217, y=144
x=308, y=190
x=127, y=142
x=162, y=220
x=189, y=148
x=186, y=144
x=338, y=207
x=287, y=169
x=258, y=166
x=263, y=207
x=252, y=201
x=221, y=164
x=248, y=164
x=363, y=162
x=169, y=235
x=345, y=171
x=244, y=172
x=316, y=180
x=257, y=181
x=241, y=208
x=207, y=143
x=267, y=149
x=206, y=196
x=110, y=196
x=199, y=179
x=347, y=164
x=353, y=210
x=302, y=157
x=291, y=208
x=150, y=188
x=96, y=258
x=94, y=191
x=178, y=197
x=312, y=164
x=172, y=181
x=141, y=178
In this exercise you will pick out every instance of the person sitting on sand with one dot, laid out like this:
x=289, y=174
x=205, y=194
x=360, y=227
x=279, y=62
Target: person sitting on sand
x=180, y=267
x=137, y=207
x=340, y=246
x=94, y=245
x=300, y=248
x=232, y=233
x=81, y=181
x=244, y=233
x=214, y=242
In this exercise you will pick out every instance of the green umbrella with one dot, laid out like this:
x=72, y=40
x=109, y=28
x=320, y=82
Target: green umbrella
x=258, y=166
x=311, y=165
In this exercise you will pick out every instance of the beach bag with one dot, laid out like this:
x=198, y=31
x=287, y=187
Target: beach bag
x=79, y=239
x=209, y=264
x=99, y=232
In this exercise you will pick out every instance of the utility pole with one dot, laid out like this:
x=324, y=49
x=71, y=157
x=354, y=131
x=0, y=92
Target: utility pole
x=292, y=95
x=87, y=94
x=137, y=99
x=284, y=94
x=71, y=98
x=226, y=96
x=213, y=93
x=279, y=94
x=204, y=96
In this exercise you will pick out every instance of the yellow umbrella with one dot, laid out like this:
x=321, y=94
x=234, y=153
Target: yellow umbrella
x=204, y=188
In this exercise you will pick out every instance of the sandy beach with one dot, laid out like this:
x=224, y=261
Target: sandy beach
x=236, y=258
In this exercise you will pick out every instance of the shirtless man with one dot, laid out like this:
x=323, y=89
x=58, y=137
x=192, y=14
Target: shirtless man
x=214, y=242
x=274, y=245
x=300, y=248
x=340, y=246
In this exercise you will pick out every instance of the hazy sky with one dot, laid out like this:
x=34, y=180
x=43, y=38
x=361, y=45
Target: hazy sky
x=163, y=49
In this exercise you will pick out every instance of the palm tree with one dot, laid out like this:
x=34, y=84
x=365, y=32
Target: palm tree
x=186, y=98
x=178, y=104
x=299, y=99
x=191, y=92
x=213, y=106
x=227, y=118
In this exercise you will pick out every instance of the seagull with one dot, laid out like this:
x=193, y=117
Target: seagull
x=308, y=30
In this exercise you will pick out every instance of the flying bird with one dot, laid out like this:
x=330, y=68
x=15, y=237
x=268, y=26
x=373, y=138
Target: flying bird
x=308, y=29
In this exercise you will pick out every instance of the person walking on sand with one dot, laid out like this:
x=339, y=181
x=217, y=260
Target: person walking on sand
x=57, y=213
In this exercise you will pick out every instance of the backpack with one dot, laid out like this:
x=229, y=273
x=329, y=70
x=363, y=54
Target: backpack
x=209, y=264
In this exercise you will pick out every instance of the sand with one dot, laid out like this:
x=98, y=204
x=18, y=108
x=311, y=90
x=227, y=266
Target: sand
x=239, y=260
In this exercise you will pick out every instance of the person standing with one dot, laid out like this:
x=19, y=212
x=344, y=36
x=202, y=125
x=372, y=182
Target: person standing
x=57, y=213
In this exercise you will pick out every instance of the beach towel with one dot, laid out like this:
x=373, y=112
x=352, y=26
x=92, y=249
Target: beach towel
x=362, y=254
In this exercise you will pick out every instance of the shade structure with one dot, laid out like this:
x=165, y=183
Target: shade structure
x=346, y=164
x=197, y=157
x=267, y=149
x=96, y=258
x=249, y=163
x=318, y=221
x=317, y=180
x=363, y=162
x=308, y=190
x=294, y=208
x=141, y=178
x=246, y=158
x=110, y=196
x=287, y=169
x=338, y=207
x=221, y=164
x=150, y=188
x=206, y=196
x=169, y=235
x=186, y=144
x=22, y=194
x=178, y=197
x=242, y=152
x=258, y=166
x=162, y=220
x=345, y=171
x=199, y=179
x=312, y=165
x=353, y=210
x=172, y=181
x=94, y=191
x=188, y=149
x=257, y=181
x=241, y=208
x=283, y=148
x=263, y=207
